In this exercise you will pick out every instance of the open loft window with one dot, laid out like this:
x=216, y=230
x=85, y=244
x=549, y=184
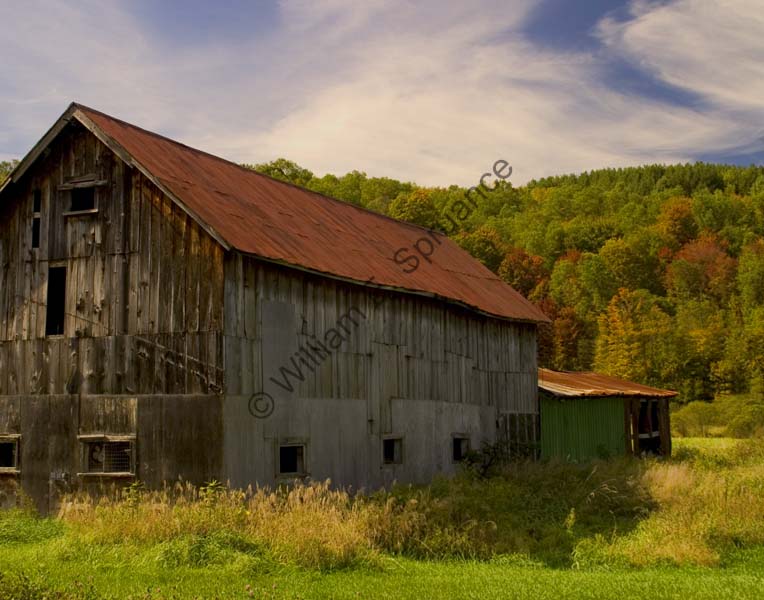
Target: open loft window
x=83, y=198
x=9, y=453
x=108, y=456
x=292, y=459
x=36, y=210
x=56, y=301
x=460, y=448
x=392, y=451
x=35, y=232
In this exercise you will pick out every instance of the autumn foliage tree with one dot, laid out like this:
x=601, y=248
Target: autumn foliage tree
x=416, y=207
x=521, y=270
x=702, y=269
x=634, y=335
x=485, y=244
x=568, y=333
x=750, y=275
x=676, y=221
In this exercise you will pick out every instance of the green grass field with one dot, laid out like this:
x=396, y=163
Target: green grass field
x=133, y=575
x=689, y=528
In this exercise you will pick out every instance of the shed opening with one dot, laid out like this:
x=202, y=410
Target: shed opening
x=649, y=433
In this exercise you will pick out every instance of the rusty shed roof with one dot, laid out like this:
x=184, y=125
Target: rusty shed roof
x=569, y=384
x=280, y=222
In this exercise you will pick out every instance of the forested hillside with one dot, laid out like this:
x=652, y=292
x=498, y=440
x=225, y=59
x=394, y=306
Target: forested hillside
x=653, y=273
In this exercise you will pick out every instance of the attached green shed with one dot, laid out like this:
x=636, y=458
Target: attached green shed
x=588, y=415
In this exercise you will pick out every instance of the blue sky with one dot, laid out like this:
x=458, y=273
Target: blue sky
x=430, y=91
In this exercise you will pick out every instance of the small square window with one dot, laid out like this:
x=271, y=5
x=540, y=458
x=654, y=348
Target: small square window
x=460, y=448
x=9, y=453
x=83, y=199
x=392, y=451
x=292, y=459
x=104, y=456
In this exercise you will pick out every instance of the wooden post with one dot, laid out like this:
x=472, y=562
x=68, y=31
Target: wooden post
x=665, y=428
x=635, y=406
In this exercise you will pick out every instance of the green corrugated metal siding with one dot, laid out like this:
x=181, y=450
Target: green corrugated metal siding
x=581, y=429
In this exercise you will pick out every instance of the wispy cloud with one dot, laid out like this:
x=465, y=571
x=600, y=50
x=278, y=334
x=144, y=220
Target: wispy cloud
x=427, y=91
x=715, y=49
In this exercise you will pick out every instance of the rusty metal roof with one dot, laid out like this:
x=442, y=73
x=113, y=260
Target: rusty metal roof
x=280, y=222
x=569, y=384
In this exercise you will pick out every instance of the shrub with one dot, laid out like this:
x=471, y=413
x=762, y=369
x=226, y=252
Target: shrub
x=695, y=419
x=738, y=416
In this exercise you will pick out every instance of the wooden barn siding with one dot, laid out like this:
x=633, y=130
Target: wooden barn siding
x=415, y=366
x=144, y=286
x=167, y=430
x=437, y=351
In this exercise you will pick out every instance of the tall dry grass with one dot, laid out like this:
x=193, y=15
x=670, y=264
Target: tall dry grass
x=706, y=504
x=310, y=525
x=632, y=512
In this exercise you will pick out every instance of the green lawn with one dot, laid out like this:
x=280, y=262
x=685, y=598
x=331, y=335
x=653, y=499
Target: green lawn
x=708, y=444
x=125, y=574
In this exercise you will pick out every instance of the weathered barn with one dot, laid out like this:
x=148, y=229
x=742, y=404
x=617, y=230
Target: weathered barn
x=167, y=314
x=590, y=415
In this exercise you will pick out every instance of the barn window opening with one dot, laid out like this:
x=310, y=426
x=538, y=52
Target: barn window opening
x=9, y=453
x=392, y=451
x=460, y=448
x=36, y=208
x=292, y=459
x=35, y=232
x=105, y=456
x=83, y=199
x=56, y=302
